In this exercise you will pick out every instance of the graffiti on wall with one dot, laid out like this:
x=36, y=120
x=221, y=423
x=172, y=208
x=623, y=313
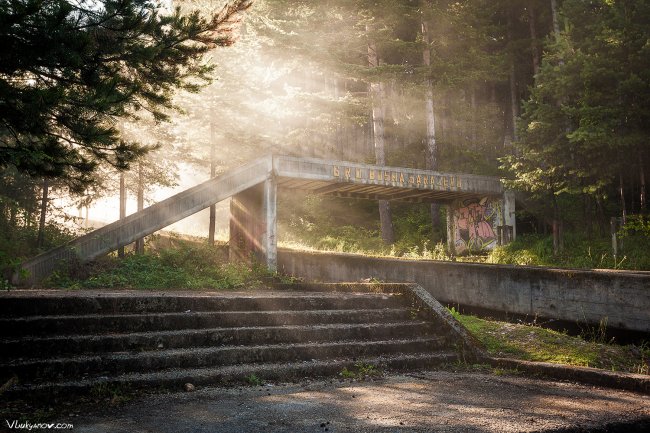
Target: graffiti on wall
x=475, y=223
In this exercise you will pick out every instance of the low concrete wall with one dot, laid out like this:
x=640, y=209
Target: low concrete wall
x=565, y=294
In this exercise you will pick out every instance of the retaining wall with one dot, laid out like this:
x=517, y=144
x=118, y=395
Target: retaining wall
x=565, y=294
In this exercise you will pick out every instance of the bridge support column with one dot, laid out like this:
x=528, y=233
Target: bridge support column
x=253, y=224
x=509, y=214
x=480, y=224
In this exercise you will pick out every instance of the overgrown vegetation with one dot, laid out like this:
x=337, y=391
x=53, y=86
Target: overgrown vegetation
x=352, y=226
x=18, y=242
x=534, y=343
x=186, y=266
x=579, y=252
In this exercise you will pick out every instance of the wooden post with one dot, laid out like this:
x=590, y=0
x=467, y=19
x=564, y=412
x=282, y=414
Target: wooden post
x=612, y=225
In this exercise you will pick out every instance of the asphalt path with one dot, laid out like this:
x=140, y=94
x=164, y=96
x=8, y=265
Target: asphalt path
x=436, y=401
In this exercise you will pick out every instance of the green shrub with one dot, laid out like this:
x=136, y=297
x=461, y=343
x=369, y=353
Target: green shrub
x=188, y=266
x=579, y=252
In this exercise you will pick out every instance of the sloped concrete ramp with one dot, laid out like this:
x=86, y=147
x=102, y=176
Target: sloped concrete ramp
x=153, y=218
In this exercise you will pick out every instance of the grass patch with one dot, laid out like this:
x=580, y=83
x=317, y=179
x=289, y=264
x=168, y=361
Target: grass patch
x=113, y=394
x=186, y=266
x=579, y=252
x=253, y=380
x=360, y=371
x=18, y=243
x=352, y=226
x=533, y=343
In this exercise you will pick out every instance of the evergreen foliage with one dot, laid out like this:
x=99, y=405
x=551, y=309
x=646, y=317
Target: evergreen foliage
x=573, y=75
x=68, y=68
x=587, y=120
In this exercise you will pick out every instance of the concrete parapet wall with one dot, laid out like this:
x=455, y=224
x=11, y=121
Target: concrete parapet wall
x=565, y=294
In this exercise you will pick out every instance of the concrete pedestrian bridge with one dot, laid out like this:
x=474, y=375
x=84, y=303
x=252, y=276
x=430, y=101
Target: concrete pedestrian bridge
x=480, y=212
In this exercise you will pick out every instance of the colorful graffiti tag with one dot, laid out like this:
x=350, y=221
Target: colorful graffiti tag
x=475, y=224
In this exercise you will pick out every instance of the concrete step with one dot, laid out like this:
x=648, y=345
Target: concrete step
x=33, y=347
x=120, y=363
x=115, y=323
x=88, y=341
x=55, y=303
x=224, y=375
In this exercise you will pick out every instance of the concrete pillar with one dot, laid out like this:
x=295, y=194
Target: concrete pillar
x=509, y=213
x=270, y=215
x=479, y=224
x=451, y=231
x=253, y=224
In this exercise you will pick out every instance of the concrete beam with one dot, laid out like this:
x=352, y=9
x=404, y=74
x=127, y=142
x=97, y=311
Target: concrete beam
x=395, y=177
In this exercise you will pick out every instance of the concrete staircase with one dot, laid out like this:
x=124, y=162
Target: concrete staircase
x=57, y=343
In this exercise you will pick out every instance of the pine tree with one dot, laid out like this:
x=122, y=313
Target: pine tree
x=67, y=69
x=586, y=122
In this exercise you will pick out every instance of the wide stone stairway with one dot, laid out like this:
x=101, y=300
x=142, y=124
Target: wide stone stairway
x=55, y=343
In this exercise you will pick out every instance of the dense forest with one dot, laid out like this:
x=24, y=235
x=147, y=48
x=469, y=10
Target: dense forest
x=551, y=95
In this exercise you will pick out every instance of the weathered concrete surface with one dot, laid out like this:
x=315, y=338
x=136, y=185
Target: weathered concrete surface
x=57, y=345
x=349, y=179
x=566, y=294
x=254, y=211
x=145, y=222
x=592, y=376
x=253, y=224
x=438, y=401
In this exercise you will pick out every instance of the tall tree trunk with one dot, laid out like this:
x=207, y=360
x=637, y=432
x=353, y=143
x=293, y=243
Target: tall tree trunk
x=12, y=215
x=587, y=214
x=514, y=99
x=642, y=193
x=139, y=243
x=120, y=251
x=40, y=239
x=600, y=212
x=621, y=190
x=556, y=20
x=432, y=146
x=474, y=126
x=557, y=226
x=378, y=114
x=213, y=172
x=532, y=24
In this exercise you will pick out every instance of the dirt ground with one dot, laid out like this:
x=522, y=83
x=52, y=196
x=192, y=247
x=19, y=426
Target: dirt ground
x=438, y=401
